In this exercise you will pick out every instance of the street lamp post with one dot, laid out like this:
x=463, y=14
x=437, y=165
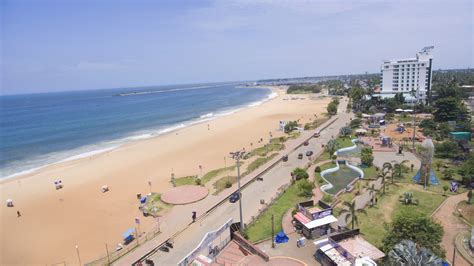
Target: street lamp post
x=237, y=156
x=78, y=256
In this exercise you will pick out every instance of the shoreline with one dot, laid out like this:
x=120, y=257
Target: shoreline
x=152, y=133
x=54, y=221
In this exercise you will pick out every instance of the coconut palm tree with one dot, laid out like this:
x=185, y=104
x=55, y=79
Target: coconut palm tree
x=383, y=175
x=407, y=253
x=399, y=170
x=372, y=190
x=351, y=213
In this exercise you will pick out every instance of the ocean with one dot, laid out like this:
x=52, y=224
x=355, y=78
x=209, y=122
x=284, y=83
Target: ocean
x=40, y=129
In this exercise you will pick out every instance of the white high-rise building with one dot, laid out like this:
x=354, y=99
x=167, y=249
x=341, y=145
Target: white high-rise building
x=408, y=76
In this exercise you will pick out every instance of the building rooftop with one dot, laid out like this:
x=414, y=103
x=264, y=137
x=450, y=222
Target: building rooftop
x=359, y=248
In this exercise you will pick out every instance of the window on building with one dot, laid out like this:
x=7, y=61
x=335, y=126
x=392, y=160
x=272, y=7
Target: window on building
x=386, y=67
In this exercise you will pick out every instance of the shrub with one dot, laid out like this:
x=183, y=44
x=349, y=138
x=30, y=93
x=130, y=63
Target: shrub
x=228, y=184
x=305, y=188
x=317, y=169
x=299, y=173
x=327, y=198
x=198, y=181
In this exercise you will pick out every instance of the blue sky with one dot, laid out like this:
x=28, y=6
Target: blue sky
x=78, y=45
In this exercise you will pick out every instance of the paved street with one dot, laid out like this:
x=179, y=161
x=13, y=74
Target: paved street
x=180, y=216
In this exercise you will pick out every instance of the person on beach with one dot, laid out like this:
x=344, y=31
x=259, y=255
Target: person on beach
x=18, y=214
x=194, y=216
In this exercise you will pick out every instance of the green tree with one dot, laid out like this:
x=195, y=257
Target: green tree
x=399, y=170
x=332, y=108
x=355, y=123
x=415, y=227
x=290, y=126
x=366, y=156
x=445, y=188
x=384, y=175
x=447, y=149
x=449, y=109
x=331, y=147
x=372, y=191
x=351, y=213
x=345, y=131
x=408, y=252
x=299, y=173
x=306, y=188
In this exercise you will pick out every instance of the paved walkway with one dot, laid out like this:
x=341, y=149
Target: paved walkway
x=179, y=217
x=452, y=226
x=184, y=194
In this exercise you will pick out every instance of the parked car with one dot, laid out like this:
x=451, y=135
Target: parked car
x=285, y=158
x=234, y=197
x=306, y=143
x=309, y=153
x=300, y=156
x=317, y=134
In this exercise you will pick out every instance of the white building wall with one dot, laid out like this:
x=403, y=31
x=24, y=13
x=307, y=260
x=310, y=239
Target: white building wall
x=407, y=75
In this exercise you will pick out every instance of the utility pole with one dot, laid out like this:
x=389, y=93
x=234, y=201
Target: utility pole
x=237, y=156
x=273, y=232
x=414, y=101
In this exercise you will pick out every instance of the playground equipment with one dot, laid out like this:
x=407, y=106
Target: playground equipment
x=426, y=174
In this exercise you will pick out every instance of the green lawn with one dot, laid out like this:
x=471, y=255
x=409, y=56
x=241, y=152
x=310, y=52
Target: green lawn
x=372, y=225
x=154, y=204
x=370, y=172
x=344, y=142
x=467, y=211
x=315, y=123
x=294, y=134
x=220, y=184
x=257, y=163
x=186, y=180
x=211, y=174
x=276, y=144
x=261, y=227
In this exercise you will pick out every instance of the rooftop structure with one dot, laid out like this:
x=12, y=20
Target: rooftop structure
x=346, y=248
x=314, y=221
x=410, y=76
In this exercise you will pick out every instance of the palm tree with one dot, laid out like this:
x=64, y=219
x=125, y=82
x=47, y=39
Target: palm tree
x=351, y=213
x=383, y=175
x=407, y=253
x=398, y=170
x=372, y=190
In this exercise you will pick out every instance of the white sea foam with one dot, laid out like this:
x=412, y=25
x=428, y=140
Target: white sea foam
x=207, y=115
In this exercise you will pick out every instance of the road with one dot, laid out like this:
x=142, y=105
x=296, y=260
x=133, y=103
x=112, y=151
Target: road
x=251, y=196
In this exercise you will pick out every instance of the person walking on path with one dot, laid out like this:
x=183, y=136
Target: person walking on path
x=194, y=216
x=18, y=214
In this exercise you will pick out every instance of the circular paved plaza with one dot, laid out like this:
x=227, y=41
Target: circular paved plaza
x=184, y=194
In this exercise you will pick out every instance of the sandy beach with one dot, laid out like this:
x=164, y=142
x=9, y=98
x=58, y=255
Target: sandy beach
x=53, y=221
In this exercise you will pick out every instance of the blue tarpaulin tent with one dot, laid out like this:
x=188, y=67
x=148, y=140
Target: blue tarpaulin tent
x=128, y=235
x=281, y=238
x=433, y=179
x=143, y=200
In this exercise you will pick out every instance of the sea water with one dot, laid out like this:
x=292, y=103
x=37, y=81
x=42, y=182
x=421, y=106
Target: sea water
x=40, y=129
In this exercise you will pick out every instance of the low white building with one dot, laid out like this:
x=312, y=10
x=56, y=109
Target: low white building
x=407, y=76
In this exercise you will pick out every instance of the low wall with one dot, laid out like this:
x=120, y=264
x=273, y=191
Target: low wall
x=348, y=148
x=249, y=246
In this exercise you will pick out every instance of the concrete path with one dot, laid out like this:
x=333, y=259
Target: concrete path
x=179, y=217
x=452, y=226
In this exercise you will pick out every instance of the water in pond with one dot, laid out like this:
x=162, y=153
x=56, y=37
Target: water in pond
x=341, y=178
x=350, y=153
